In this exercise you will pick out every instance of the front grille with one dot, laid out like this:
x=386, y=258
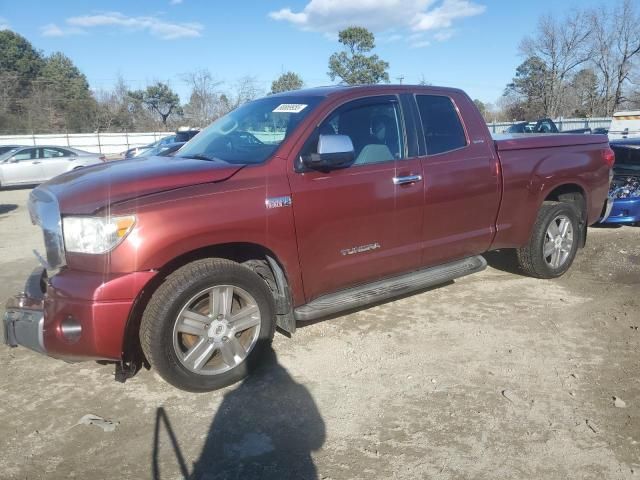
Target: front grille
x=45, y=212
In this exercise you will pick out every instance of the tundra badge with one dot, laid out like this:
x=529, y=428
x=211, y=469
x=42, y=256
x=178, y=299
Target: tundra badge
x=360, y=249
x=277, y=202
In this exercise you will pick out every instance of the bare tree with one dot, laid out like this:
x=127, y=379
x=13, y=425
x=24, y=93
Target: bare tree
x=244, y=90
x=615, y=43
x=562, y=46
x=584, y=99
x=203, y=106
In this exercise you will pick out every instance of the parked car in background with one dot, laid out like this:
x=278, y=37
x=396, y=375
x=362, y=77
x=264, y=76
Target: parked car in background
x=625, y=125
x=32, y=165
x=161, y=150
x=544, y=125
x=8, y=148
x=181, y=136
x=186, y=134
x=138, y=151
x=625, y=187
x=189, y=263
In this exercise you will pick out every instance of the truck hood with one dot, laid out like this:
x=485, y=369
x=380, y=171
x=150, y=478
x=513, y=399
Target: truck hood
x=86, y=190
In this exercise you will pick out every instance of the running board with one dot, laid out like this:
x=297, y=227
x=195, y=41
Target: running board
x=360, y=296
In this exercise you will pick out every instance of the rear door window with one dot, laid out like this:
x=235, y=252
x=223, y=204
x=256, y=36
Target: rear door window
x=443, y=131
x=52, y=153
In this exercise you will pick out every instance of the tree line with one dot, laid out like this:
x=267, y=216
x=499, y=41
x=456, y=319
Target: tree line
x=44, y=94
x=583, y=64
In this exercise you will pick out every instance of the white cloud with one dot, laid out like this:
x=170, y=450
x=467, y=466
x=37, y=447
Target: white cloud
x=421, y=44
x=153, y=25
x=330, y=16
x=444, y=15
x=4, y=24
x=53, y=30
x=444, y=35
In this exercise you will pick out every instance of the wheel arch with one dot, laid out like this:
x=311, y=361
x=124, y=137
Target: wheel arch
x=240, y=252
x=576, y=195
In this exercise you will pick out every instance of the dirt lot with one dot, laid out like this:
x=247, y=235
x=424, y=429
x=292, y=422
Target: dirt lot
x=494, y=376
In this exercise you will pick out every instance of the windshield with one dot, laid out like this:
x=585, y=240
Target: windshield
x=5, y=152
x=251, y=133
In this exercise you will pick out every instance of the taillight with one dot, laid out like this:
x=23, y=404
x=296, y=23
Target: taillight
x=608, y=157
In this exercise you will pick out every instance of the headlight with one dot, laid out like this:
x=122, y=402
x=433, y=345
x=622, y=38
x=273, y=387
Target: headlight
x=95, y=234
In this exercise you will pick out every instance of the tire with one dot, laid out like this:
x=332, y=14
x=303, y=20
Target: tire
x=190, y=343
x=532, y=259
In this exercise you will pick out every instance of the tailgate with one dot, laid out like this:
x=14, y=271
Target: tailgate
x=515, y=141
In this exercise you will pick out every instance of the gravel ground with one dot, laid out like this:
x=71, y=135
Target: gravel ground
x=493, y=376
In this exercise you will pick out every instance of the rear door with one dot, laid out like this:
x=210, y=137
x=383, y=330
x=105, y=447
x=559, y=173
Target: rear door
x=23, y=167
x=359, y=223
x=55, y=161
x=462, y=190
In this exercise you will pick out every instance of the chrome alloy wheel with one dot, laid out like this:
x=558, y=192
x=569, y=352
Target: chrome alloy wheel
x=216, y=330
x=558, y=241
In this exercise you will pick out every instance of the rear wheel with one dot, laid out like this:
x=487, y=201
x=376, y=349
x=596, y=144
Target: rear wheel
x=554, y=241
x=208, y=324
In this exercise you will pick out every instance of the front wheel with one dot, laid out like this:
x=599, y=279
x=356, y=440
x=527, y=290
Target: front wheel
x=207, y=325
x=554, y=241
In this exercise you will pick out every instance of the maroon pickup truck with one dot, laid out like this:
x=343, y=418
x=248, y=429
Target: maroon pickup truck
x=291, y=208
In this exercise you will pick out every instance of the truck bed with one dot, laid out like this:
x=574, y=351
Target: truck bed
x=533, y=165
x=521, y=141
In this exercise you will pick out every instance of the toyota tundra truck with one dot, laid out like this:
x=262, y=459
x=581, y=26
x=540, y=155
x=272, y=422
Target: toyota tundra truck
x=292, y=208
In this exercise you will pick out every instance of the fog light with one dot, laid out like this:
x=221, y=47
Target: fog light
x=71, y=329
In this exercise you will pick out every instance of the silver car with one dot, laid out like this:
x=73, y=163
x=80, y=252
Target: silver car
x=32, y=165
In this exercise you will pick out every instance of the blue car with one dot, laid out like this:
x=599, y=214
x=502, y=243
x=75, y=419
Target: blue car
x=625, y=187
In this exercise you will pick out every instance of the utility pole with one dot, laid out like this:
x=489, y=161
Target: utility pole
x=400, y=78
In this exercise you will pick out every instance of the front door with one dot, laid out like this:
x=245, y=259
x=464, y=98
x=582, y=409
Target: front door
x=24, y=167
x=363, y=222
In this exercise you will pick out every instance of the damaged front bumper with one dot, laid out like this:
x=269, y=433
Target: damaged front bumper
x=74, y=315
x=24, y=315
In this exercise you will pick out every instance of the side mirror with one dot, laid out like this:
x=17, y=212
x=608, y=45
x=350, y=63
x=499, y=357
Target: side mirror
x=334, y=151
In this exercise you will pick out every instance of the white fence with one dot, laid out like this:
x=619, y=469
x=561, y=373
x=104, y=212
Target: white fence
x=105, y=143
x=114, y=143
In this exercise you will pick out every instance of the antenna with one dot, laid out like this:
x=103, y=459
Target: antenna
x=400, y=78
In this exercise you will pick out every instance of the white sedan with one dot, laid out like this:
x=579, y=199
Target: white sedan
x=32, y=165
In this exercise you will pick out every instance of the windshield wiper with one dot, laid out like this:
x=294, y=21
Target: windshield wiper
x=200, y=156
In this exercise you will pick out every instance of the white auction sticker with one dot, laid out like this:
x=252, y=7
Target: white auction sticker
x=290, y=108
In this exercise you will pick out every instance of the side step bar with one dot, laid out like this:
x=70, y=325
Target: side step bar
x=380, y=290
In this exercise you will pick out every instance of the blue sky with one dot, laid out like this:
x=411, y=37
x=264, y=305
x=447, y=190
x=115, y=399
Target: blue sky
x=470, y=44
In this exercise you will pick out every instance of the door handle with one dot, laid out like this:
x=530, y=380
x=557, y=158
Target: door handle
x=407, y=180
x=35, y=163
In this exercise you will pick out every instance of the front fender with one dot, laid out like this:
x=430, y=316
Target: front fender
x=175, y=223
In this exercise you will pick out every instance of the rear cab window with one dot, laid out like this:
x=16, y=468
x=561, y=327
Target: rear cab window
x=441, y=125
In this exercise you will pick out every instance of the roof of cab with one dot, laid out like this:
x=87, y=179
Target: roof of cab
x=330, y=90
